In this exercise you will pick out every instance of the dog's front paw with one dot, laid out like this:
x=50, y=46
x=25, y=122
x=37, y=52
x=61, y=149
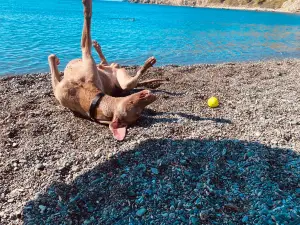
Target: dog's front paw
x=53, y=58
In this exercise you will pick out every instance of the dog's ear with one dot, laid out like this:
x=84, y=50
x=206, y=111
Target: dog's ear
x=118, y=130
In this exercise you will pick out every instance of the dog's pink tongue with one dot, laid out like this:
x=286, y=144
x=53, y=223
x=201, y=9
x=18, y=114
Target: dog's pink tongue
x=119, y=133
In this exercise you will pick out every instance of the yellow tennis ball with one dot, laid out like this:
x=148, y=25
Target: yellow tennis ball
x=213, y=102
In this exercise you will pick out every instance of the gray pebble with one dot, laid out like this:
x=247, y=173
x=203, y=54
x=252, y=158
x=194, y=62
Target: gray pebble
x=165, y=214
x=194, y=220
x=15, y=145
x=204, y=215
x=42, y=208
x=75, y=168
x=110, y=155
x=172, y=215
x=39, y=166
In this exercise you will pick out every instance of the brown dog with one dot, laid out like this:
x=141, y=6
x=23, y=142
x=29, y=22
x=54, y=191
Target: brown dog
x=83, y=81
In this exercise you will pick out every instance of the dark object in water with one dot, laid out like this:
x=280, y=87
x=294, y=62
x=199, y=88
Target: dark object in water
x=129, y=19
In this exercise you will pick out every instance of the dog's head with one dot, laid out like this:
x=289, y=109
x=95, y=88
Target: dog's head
x=128, y=111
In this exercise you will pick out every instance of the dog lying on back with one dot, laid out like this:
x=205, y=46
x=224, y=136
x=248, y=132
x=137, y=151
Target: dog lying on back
x=90, y=89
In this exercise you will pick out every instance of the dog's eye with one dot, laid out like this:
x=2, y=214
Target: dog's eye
x=131, y=102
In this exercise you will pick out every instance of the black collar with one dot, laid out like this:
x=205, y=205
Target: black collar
x=95, y=104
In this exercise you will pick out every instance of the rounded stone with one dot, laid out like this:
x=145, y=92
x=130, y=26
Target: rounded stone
x=141, y=212
x=40, y=166
x=172, y=215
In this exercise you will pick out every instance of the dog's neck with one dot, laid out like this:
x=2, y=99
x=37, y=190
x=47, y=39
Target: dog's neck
x=106, y=108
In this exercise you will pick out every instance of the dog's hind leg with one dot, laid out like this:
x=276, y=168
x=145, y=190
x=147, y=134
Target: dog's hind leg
x=128, y=82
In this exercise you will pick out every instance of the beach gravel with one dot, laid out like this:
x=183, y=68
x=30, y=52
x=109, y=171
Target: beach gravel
x=181, y=163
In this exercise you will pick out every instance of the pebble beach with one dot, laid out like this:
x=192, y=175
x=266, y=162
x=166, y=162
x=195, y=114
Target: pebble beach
x=181, y=163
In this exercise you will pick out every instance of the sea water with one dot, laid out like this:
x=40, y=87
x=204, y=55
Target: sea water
x=130, y=33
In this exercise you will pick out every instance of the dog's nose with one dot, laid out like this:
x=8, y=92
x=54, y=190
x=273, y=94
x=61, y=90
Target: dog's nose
x=147, y=92
x=152, y=97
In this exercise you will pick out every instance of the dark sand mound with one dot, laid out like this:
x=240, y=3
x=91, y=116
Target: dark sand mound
x=181, y=163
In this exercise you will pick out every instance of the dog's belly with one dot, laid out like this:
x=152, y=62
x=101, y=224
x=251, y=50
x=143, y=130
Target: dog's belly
x=83, y=71
x=73, y=69
x=109, y=81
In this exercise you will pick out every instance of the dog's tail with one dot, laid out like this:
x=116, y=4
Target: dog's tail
x=55, y=76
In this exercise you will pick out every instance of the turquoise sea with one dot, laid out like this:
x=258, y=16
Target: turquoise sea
x=129, y=33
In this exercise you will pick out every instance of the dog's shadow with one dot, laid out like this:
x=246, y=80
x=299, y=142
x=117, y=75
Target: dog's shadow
x=154, y=91
x=149, y=118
